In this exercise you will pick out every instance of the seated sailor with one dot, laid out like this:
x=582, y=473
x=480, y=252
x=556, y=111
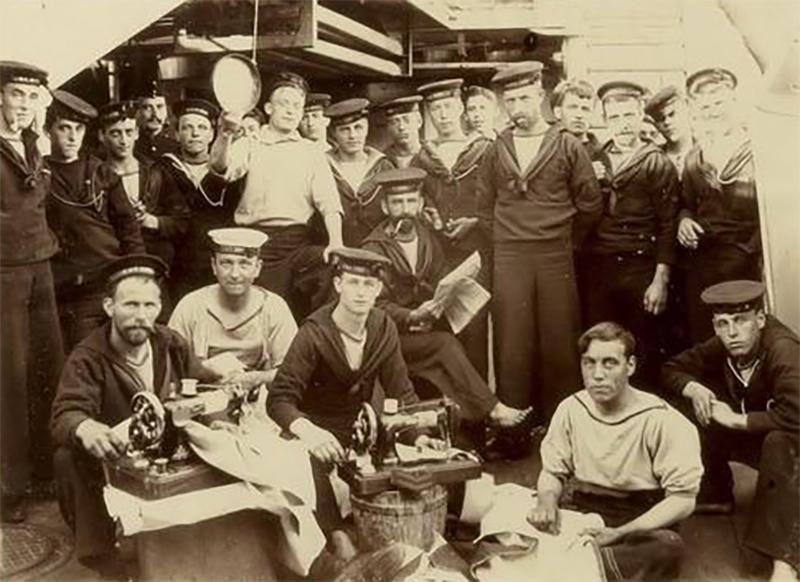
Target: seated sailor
x=624, y=454
x=417, y=263
x=129, y=354
x=743, y=388
x=236, y=328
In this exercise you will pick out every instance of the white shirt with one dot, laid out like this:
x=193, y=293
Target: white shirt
x=144, y=369
x=527, y=147
x=353, y=349
x=410, y=251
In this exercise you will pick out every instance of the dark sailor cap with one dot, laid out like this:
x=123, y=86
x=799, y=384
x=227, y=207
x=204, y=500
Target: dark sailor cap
x=664, y=97
x=23, y=73
x=712, y=76
x=150, y=90
x=401, y=105
x=116, y=111
x=287, y=79
x=358, y=261
x=140, y=265
x=734, y=296
x=237, y=241
x=620, y=90
x=441, y=89
x=317, y=101
x=347, y=111
x=519, y=75
x=196, y=107
x=400, y=180
x=68, y=106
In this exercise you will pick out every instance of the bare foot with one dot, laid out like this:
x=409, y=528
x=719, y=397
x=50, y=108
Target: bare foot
x=506, y=417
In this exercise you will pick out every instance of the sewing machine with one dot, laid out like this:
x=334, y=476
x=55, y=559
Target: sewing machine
x=378, y=460
x=159, y=463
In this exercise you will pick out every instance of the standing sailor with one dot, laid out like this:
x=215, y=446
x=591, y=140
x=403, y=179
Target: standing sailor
x=539, y=199
x=480, y=109
x=354, y=165
x=314, y=124
x=403, y=122
x=151, y=119
x=670, y=112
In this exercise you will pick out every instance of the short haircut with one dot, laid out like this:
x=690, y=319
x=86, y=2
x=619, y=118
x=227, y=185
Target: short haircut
x=608, y=331
x=577, y=87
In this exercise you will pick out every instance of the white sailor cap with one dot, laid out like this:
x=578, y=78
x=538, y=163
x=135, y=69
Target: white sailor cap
x=237, y=241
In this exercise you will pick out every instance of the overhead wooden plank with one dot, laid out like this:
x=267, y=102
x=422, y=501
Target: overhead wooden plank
x=329, y=20
x=355, y=59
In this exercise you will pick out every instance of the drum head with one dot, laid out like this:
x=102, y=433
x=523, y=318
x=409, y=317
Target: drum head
x=236, y=83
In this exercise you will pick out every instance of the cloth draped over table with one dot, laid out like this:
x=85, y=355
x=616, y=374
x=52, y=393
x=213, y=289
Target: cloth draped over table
x=275, y=476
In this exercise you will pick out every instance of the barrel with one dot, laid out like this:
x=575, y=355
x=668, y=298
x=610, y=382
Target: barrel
x=399, y=516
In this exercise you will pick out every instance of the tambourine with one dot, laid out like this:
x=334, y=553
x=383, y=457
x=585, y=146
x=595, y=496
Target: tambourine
x=236, y=83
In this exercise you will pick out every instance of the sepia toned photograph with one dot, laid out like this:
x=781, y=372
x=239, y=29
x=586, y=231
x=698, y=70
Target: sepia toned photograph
x=400, y=290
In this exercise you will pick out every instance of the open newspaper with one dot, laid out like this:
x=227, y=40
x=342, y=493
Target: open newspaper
x=459, y=297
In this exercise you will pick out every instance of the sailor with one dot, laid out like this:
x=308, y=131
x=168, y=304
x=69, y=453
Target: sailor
x=539, y=198
x=624, y=454
x=286, y=179
x=572, y=102
x=252, y=122
x=480, y=110
x=718, y=220
x=152, y=122
x=90, y=215
x=451, y=160
x=128, y=354
x=355, y=165
x=403, y=123
x=314, y=124
x=30, y=351
x=742, y=385
x=434, y=356
x=234, y=327
x=670, y=112
x=210, y=199
x=629, y=256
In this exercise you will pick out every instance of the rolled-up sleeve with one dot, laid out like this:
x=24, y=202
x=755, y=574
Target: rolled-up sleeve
x=324, y=194
x=674, y=446
x=282, y=331
x=556, y=449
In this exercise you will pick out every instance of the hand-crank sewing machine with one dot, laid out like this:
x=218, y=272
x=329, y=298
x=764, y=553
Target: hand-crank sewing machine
x=159, y=462
x=378, y=460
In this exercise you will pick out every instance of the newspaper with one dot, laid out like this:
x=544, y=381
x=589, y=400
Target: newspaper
x=459, y=297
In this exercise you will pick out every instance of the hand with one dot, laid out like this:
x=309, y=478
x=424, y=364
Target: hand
x=604, y=536
x=545, y=517
x=702, y=399
x=425, y=312
x=423, y=441
x=99, y=440
x=148, y=221
x=655, y=297
x=247, y=380
x=724, y=415
x=431, y=215
x=458, y=228
x=689, y=232
x=322, y=444
x=230, y=124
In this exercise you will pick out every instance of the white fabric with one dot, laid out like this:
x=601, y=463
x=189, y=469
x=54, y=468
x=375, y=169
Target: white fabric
x=567, y=556
x=410, y=251
x=526, y=148
x=353, y=350
x=131, y=184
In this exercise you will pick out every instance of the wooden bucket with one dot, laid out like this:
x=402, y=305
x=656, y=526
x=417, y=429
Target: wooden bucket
x=397, y=516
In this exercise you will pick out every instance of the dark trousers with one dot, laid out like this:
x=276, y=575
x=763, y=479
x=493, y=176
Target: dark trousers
x=536, y=326
x=80, y=313
x=437, y=359
x=31, y=356
x=294, y=269
x=652, y=555
x=613, y=290
x=710, y=264
x=773, y=527
x=79, y=484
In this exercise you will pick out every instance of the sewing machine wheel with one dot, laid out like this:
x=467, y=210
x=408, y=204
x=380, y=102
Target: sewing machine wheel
x=365, y=429
x=148, y=421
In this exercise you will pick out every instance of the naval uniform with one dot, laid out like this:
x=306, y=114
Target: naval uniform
x=535, y=216
x=435, y=359
x=770, y=399
x=635, y=233
x=150, y=148
x=94, y=223
x=31, y=352
x=452, y=191
x=723, y=201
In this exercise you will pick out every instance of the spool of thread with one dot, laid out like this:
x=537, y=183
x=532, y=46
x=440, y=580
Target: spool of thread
x=189, y=387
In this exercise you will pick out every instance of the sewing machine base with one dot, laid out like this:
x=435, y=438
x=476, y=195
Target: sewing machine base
x=440, y=473
x=180, y=477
